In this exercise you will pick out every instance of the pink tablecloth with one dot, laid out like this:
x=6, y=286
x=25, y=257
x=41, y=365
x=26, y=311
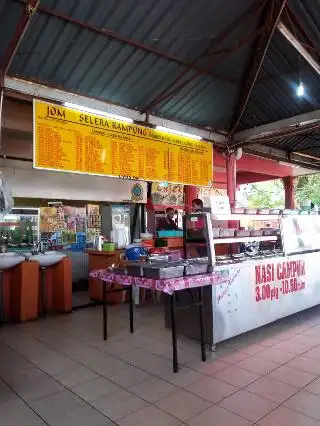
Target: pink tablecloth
x=166, y=286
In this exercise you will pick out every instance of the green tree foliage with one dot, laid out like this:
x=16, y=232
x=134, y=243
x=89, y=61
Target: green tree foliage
x=266, y=194
x=308, y=188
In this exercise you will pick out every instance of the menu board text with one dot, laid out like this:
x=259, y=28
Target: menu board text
x=74, y=141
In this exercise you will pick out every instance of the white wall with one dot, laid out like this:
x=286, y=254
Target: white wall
x=27, y=182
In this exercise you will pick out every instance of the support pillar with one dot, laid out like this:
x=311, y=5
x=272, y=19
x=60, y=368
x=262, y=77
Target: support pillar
x=190, y=193
x=231, y=168
x=288, y=183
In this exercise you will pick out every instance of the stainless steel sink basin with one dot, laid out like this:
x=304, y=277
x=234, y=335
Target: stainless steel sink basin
x=9, y=260
x=48, y=258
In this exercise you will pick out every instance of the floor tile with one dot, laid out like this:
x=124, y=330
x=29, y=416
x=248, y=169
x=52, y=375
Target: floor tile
x=185, y=376
x=127, y=376
x=271, y=389
x=237, y=376
x=218, y=416
x=153, y=389
x=212, y=389
x=305, y=403
x=252, y=349
x=248, y=405
x=147, y=416
x=270, y=341
x=56, y=406
x=306, y=364
x=95, y=389
x=282, y=416
x=183, y=405
x=293, y=348
x=234, y=357
x=307, y=341
x=75, y=377
x=119, y=404
x=8, y=399
x=257, y=365
x=275, y=355
x=292, y=376
x=314, y=387
x=313, y=353
x=34, y=384
x=54, y=363
x=20, y=416
x=84, y=416
x=210, y=367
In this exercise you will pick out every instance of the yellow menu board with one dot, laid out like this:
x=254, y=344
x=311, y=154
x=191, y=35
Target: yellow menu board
x=75, y=141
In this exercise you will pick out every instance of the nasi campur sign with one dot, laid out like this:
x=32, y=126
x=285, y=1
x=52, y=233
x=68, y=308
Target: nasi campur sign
x=73, y=141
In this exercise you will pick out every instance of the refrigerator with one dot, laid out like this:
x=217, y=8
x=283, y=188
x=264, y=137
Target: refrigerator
x=115, y=223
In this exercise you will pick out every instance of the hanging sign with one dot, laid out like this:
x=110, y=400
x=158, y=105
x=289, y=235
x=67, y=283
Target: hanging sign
x=73, y=141
x=169, y=195
x=220, y=204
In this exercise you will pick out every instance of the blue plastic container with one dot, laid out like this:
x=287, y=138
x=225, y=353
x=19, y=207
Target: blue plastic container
x=168, y=234
x=134, y=252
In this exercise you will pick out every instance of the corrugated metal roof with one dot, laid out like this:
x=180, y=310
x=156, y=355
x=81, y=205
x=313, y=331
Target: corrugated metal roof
x=9, y=17
x=69, y=56
x=181, y=28
x=305, y=145
x=274, y=95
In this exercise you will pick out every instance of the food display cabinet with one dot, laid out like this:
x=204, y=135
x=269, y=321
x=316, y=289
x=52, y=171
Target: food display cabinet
x=260, y=274
x=20, y=229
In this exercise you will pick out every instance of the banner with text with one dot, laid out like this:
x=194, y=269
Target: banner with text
x=249, y=296
x=73, y=141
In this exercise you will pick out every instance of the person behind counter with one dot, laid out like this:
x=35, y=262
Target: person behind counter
x=167, y=223
x=197, y=205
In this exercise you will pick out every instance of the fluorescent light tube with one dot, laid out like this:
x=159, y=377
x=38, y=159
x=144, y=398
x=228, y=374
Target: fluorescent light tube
x=177, y=132
x=98, y=112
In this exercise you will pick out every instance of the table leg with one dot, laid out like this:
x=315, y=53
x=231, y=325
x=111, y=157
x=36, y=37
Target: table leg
x=174, y=333
x=104, y=310
x=203, y=347
x=131, y=308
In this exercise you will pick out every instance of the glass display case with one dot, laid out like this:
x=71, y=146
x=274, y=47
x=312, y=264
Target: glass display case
x=227, y=239
x=300, y=233
x=264, y=268
x=19, y=229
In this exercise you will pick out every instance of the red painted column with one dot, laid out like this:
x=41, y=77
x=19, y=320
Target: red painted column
x=190, y=193
x=231, y=167
x=288, y=183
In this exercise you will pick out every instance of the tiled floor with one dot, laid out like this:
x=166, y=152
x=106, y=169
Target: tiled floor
x=59, y=371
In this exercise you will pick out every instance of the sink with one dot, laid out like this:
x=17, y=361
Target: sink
x=9, y=260
x=48, y=258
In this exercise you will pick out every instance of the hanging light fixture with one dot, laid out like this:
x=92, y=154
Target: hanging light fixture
x=300, y=90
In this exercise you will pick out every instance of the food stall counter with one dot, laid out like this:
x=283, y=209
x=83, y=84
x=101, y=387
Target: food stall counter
x=99, y=259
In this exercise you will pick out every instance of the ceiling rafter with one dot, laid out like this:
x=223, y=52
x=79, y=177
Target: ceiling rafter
x=274, y=10
x=299, y=130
